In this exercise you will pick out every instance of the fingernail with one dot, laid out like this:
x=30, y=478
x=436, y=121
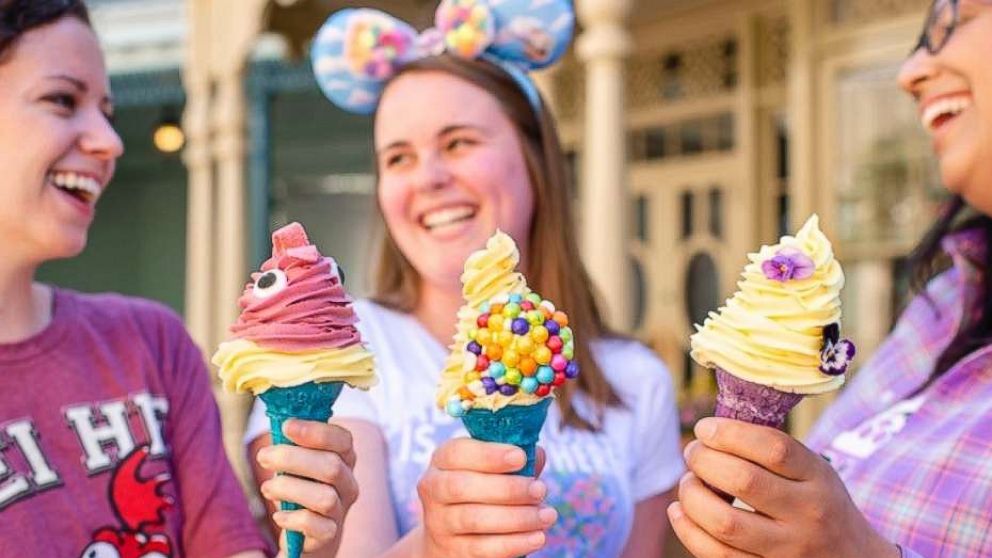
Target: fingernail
x=689, y=448
x=536, y=539
x=538, y=490
x=705, y=429
x=263, y=456
x=513, y=457
x=675, y=511
x=548, y=515
x=291, y=426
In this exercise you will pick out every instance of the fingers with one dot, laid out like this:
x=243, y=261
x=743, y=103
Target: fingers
x=321, y=436
x=774, y=450
x=495, y=546
x=482, y=457
x=319, y=498
x=482, y=519
x=771, y=494
x=318, y=530
x=730, y=526
x=467, y=487
x=322, y=466
x=697, y=541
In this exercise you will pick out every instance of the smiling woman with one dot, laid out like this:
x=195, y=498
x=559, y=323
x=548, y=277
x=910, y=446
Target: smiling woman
x=465, y=146
x=141, y=465
x=907, y=444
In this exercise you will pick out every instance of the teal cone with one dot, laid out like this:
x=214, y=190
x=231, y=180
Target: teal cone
x=519, y=425
x=310, y=401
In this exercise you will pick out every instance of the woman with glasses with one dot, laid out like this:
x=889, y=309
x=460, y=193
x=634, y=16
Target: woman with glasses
x=901, y=465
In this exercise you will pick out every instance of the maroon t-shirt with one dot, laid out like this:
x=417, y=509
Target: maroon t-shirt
x=110, y=441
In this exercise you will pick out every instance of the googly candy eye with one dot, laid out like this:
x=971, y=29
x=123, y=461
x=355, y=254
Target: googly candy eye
x=270, y=283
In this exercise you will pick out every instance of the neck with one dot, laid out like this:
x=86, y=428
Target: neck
x=437, y=309
x=25, y=307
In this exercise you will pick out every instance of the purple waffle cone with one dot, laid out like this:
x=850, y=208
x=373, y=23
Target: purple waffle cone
x=750, y=402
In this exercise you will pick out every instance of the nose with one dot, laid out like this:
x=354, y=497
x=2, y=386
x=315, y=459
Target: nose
x=432, y=173
x=916, y=70
x=99, y=138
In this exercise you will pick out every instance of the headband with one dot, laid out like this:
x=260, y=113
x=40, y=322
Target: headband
x=358, y=50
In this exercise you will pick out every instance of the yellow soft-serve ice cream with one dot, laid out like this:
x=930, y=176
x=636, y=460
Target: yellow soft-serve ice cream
x=511, y=350
x=781, y=330
x=489, y=273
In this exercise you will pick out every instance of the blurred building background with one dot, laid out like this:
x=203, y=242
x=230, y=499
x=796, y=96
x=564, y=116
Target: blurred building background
x=696, y=129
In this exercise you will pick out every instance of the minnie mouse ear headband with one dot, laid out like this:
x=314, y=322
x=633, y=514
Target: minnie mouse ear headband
x=356, y=51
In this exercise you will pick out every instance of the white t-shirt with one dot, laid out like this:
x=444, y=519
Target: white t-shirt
x=594, y=478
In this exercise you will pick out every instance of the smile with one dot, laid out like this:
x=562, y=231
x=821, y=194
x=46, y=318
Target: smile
x=447, y=216
x=941, y=111
x=82, y=187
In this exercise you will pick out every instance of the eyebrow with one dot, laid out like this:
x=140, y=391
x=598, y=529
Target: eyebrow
x=77, y=83
x=80, y=85
x=444, y=131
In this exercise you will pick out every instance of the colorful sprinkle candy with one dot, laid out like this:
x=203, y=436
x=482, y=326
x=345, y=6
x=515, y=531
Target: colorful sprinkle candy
x=521, y=343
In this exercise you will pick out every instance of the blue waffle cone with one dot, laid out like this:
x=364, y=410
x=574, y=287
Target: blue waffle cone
x=519, y=425
x=309, y=401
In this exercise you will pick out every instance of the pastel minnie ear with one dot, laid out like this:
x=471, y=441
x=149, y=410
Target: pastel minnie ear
x=356, y=51
x=532, y=34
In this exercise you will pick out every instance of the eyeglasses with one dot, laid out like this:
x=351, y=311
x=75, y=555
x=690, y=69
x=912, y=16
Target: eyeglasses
x=942, y=20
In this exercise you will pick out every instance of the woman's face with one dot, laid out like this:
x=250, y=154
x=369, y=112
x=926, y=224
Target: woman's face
x=451, y=171
x=57, y=146
x=953, y=90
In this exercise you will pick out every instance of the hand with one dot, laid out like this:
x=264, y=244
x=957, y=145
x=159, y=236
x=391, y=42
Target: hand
x=803, y=507
x=318, y=477
x=473, y=508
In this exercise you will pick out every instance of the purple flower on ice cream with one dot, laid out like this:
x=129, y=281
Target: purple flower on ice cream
x=788, y=264
x=837, y=353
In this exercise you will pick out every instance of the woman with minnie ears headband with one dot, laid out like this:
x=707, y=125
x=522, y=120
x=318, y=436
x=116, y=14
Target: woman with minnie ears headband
x=464, y=145
x=909, y=442
x=111, y=440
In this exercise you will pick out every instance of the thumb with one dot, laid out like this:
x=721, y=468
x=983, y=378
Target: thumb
x=542, y=460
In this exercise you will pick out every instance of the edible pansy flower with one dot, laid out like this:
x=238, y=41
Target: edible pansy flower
x=837, y=353
x=788, y=264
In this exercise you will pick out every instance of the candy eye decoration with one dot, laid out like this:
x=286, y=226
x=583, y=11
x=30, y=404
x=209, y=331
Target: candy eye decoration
x=338, y=270
x=270, y=283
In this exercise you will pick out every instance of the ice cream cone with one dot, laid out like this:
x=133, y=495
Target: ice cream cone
x=310, y=401
x=519, y=425
x=750, y=402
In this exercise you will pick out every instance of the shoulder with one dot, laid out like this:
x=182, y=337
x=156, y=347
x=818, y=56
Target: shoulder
x=634, y=370
x=116, y=316
x=109, y=308
x=378, y=323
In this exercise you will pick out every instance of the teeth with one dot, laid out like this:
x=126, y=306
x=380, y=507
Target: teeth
x=76, y=182
x=447, y=216
x=950, y=106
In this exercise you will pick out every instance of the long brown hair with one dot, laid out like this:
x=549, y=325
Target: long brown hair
x=17, y=17
x=927, y=261
x=560, y=275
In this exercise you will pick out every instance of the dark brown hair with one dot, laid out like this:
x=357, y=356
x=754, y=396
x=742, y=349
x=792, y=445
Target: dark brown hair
x=928, y=260
x=559, y=275
x=17, y=17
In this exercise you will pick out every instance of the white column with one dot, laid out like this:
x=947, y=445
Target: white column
x=603, y=46
x=199, y=164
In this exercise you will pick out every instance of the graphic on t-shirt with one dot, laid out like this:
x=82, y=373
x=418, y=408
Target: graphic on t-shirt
x=139, y=504
x=854, y=446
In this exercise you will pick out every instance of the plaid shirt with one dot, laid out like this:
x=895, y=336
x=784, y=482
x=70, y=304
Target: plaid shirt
x=929, y=487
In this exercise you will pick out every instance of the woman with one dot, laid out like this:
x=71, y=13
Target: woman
x=908, y=444
x=447, y=180
x=115, y=450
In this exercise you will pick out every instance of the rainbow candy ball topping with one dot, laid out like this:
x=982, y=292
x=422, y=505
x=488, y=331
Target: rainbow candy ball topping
x=521, y=343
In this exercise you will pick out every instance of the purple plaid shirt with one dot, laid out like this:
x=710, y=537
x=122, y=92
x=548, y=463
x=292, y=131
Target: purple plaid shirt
x=929, y=487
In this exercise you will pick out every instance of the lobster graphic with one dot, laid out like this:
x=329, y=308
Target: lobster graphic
x=138, y=503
